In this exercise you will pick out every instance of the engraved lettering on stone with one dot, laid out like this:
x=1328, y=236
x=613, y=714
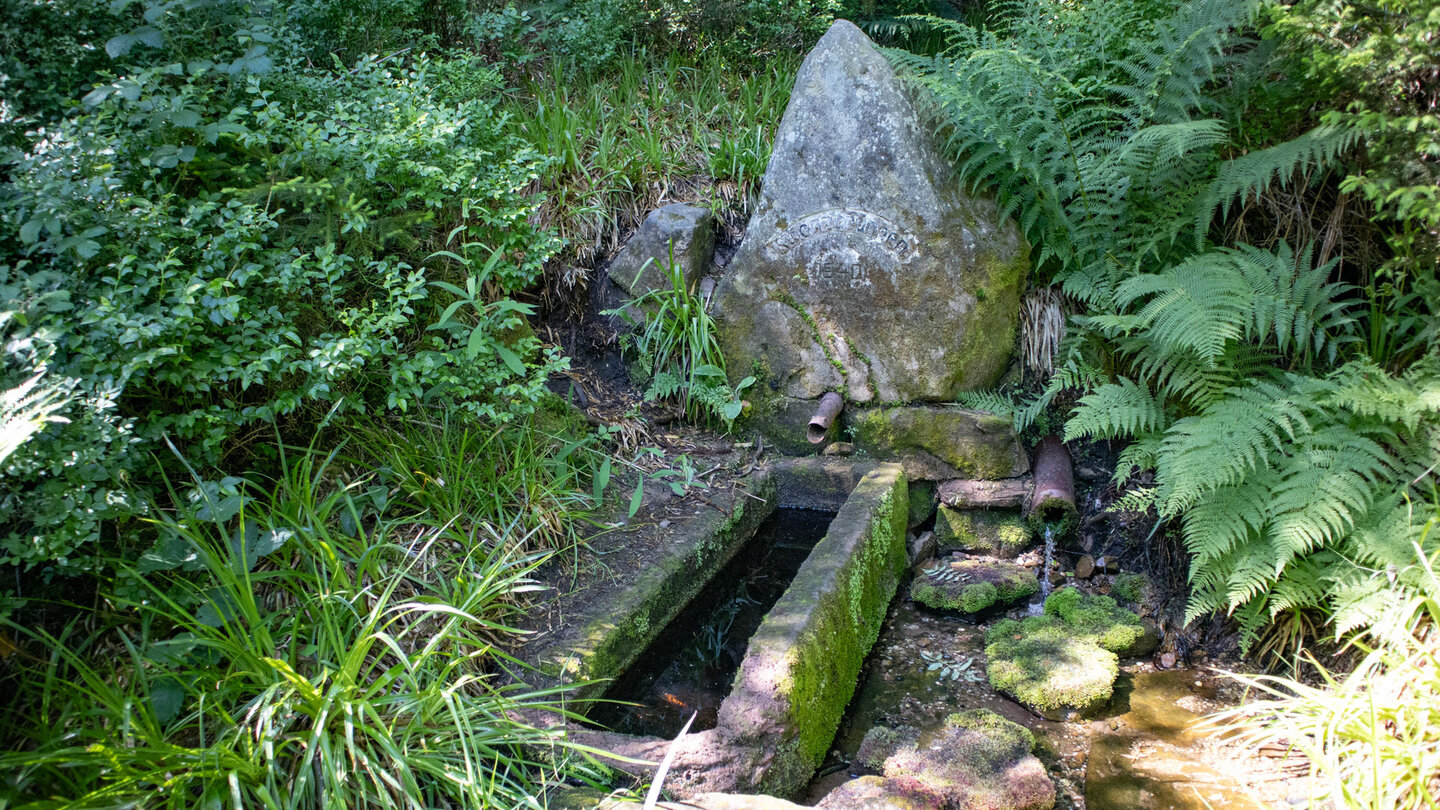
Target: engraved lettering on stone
x=845, y=222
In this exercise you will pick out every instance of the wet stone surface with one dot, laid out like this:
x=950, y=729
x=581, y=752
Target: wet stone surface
x=1140, y=751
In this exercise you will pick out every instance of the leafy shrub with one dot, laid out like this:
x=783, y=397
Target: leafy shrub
x=290, y=652
x=209, y=247
x=1105, y=129
x=593, y=33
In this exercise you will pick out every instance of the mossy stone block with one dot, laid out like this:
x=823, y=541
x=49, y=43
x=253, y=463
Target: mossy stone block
x=804, y=661
x=999, y=533
x=970, y=586
x=941, y=442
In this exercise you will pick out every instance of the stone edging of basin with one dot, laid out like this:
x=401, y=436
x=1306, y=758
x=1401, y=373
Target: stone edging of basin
x=630, y=618
x=802, y=666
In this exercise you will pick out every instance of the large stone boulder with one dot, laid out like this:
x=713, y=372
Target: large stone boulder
x=978, y=759
x=685, y=232
x=865, y=266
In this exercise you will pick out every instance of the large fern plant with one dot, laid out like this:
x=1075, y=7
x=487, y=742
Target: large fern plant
x=1105, y=127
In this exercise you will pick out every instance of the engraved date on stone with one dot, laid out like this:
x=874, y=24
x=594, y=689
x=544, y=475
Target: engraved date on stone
x=847, y=223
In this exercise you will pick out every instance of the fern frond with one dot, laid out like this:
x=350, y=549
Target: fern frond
x=1218, y=447
x=1116, y=409
x=1246, y=177
x=988, y=401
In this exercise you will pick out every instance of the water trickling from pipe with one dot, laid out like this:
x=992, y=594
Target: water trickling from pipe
x=1036, y=608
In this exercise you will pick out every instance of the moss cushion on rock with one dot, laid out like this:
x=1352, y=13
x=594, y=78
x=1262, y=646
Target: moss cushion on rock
x=1101, y=620
x=1000, y=533
x=972, y=585
x=977, y=759
x=1066, y=660
x=1051, y=672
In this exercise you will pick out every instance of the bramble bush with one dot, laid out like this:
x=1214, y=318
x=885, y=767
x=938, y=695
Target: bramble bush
x=210, y=246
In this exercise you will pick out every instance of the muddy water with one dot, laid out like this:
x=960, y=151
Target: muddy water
x=1151, y=753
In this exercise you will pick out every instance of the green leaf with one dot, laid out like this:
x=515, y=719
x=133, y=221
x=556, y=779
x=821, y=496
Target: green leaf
x=166, y=698
x=512, y=360
x=637, y=496
x=602, y=479
x=475, y=344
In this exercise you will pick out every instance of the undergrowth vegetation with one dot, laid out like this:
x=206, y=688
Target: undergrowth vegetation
x=1262, y=411
x=278, y=462
x=292, y=649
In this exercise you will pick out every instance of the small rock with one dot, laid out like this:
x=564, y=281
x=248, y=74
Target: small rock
x=664, y=524
x=1085, y=568
x=684, y=231
x=1104, y=589
x=1057, y=577
x=1089, y=473
x=839, y=449
x=1167, y=660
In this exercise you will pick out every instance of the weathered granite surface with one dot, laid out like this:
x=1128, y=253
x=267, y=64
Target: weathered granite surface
x=865, y=267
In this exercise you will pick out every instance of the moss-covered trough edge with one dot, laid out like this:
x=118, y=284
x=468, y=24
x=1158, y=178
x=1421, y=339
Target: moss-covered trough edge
x=634, y=616
x=804, y=662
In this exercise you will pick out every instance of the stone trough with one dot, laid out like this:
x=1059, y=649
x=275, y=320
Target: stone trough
x=802, y=664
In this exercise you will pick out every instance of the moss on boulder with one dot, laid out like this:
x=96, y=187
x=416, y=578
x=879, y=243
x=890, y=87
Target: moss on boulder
x=977, y=759
x=879, y=744
x=938, y=443
x=1101, y=620
x=1129, y=586
x=1065, y=661
x=972, y=585
x=984, y=531
x=1051, y=672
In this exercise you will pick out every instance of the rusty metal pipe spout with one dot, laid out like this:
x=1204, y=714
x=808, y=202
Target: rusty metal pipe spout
x=824, y=417
x=1054, y=495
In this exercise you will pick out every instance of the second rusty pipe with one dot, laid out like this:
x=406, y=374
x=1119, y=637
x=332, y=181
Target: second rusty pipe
x=1054, y=495
x=824, y=417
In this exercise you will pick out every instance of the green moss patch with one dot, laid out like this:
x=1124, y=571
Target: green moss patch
x=1052, y=673
x=1129, y=587
x=970, y=586
x=976, y=759
x=1000, y=533
x=1067, y=659
x=1101, y=620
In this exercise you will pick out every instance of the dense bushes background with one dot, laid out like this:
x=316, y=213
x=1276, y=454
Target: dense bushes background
x=275, y=426
x=214, y=242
